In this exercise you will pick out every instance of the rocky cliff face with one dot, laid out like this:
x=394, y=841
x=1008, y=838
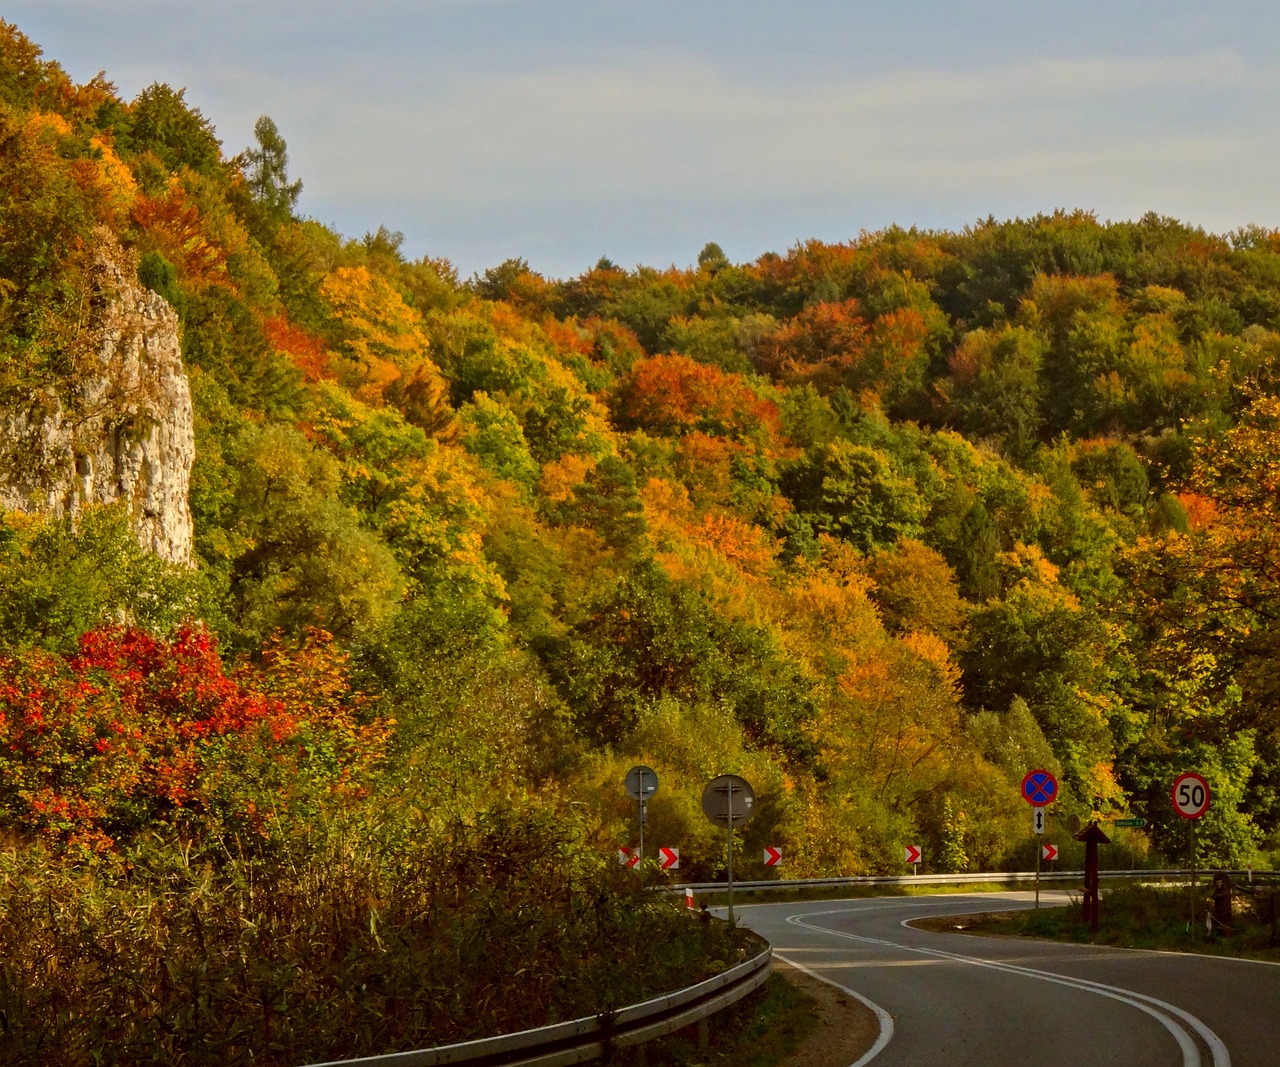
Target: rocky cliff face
x=125, y=432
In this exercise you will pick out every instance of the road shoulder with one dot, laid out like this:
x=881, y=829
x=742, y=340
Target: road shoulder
x=845, y=1028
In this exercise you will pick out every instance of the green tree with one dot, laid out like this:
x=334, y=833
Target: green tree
x=176, y=133
x=491, y=432
x=61, y=577
x=856, y=492
x=306, y=559
x=266, y=171
x=995, y=387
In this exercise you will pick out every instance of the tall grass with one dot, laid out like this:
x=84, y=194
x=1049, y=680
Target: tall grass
x=353, y=940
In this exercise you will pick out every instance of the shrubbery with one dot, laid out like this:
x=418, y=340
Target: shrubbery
x=364, y=936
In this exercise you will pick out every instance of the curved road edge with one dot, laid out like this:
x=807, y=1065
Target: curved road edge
x=883, y=1019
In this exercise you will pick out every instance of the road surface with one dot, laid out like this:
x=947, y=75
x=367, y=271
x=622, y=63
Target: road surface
x=955, y=1000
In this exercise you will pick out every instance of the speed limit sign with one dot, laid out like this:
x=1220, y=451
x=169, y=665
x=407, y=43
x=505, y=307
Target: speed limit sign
x=1190, y=795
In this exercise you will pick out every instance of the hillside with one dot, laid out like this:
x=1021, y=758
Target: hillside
x=880, y=524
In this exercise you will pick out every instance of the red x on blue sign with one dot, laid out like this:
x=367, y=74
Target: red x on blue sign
x=1039, y=788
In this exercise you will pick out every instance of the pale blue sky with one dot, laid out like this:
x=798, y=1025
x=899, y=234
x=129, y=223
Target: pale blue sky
x=563, y=130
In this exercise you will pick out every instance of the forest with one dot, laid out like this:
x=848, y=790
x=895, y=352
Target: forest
x=879, y=525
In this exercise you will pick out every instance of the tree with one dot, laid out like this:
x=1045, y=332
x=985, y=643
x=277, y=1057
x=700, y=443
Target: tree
x=856, y=492
x=385, y=349
x=673, y=395
x=916, y=591
x=1038, y=642
x=266, y=171
x=712, y=258
x=491, y=432
x=606, y=501
x=995, y=387
x=61, y=577
x=176, y=133
x=306, y=560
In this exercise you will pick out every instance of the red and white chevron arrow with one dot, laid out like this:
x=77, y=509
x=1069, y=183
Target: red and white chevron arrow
x=668, y=858
x=911, y=853
x=1048, y=852
x=772, y=856
x=628, y=857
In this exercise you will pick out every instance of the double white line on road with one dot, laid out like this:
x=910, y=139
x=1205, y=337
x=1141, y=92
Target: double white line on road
x=1178, y=1022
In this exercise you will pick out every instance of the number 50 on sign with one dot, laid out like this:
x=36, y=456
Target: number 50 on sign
x=1190, y=795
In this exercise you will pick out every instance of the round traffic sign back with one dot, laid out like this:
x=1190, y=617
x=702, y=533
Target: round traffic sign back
x=728, y=800
x=1039, y=787
x=641, y=782
x=1190, y=795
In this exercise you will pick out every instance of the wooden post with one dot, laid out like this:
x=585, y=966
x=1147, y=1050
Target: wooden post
x=1222, y=903
x=1092, y=836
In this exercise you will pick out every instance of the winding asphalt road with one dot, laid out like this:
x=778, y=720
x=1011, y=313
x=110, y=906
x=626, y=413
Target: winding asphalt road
x=954, y=1000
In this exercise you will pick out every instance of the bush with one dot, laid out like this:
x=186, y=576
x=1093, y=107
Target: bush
x=361, y=938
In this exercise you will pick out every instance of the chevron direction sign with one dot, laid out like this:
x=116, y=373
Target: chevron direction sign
x=628, y=857
x=1049, y=852
x=911, y=854
x=668, y=858
x=772, y=856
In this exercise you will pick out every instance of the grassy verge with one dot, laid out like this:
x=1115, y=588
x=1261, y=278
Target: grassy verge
x=1140, y=916
x=761, y=1030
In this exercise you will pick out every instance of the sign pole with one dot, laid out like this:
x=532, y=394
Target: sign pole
x=1038, y=813
x=1192, y=864
x=641, y=783
x=1037, y=874
x=730, y=832
x=720, y=806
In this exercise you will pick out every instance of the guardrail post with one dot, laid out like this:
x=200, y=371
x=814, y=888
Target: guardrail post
x=704, y=1033
x=608, y=1021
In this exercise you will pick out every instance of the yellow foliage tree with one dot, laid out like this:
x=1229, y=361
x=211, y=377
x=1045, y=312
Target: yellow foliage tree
x=384, y=349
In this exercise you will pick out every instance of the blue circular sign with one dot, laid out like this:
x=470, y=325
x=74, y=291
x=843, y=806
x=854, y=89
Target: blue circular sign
x=1039, y=788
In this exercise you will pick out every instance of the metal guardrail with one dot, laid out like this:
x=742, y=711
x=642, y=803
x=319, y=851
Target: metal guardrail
x=591, y=1038
x=988, y=877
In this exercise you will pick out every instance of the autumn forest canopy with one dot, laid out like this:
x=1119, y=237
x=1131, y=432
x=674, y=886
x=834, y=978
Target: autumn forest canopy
x=880, y=525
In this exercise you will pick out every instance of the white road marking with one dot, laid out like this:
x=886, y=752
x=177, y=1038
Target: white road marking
x=1164, y=1013
x=882, y=1016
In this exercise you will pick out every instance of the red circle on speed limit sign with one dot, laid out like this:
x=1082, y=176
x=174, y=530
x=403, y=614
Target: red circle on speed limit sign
x=1190, y=795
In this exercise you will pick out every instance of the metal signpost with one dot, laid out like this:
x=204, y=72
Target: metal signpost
x=1039, y=788
x=641, y=783
x=1133, y=823
x=1191, y=800
x=729, y=801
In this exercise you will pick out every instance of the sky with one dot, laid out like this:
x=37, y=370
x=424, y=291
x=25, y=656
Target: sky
x=560, y=131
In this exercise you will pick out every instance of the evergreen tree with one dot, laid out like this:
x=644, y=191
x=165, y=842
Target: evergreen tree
x=266, y=170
